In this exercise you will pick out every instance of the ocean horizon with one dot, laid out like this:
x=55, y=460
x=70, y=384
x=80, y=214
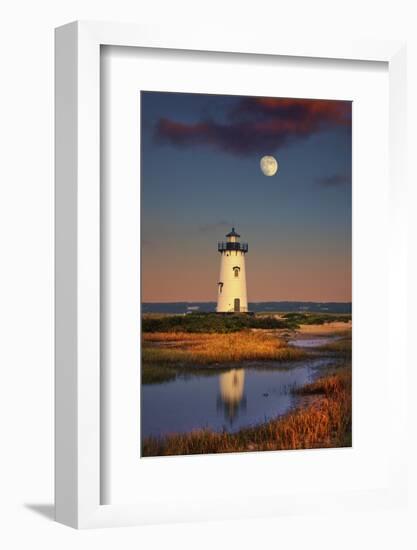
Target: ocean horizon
x=257, y=307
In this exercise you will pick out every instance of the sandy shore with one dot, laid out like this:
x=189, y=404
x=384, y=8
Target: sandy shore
x=326, y=328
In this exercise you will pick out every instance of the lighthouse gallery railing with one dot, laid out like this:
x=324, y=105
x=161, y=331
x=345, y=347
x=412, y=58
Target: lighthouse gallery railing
x=222, y=247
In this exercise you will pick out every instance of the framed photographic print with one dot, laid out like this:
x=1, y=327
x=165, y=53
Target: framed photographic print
x=272, y=372
x=228, y=213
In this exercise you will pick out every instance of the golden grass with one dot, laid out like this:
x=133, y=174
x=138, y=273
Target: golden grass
x=215, y=348
x=334, y=385
x=327, y=422
x=332, y=327
x=174, y=336
x=342, y=345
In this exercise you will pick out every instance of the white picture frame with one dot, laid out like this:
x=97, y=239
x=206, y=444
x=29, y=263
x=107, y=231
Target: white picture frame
x=77, y=242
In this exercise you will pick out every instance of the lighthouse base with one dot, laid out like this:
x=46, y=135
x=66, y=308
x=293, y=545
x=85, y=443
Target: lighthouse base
x=237, y=313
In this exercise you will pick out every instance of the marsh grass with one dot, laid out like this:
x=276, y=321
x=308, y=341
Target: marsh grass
x=157, y=373
x=342, y=345
x=167, y=355
x=215, y=323
x=327, y=422
x=209, y=348
x=334, y=385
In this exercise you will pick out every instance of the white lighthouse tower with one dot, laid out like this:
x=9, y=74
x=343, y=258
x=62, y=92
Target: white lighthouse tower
x=231, y=291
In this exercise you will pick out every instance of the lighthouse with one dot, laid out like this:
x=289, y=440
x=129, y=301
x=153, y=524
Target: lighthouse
x=231, y=288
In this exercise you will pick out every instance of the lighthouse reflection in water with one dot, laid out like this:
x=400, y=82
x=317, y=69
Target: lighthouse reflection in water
x=232, y=397
x=226, y=401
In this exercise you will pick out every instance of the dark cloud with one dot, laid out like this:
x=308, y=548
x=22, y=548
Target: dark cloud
x=258, y=125
x=334, y=180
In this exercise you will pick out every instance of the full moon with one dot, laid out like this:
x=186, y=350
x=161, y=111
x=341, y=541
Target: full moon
x=269, y=165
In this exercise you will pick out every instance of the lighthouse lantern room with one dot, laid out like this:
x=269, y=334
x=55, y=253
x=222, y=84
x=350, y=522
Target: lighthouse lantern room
x=231, y=288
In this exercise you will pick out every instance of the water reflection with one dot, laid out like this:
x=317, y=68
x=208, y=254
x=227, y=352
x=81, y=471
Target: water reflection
x=224, y=401
x=232, y=398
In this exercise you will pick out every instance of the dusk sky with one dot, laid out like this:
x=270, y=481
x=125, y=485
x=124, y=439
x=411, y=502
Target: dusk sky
x=200, y=176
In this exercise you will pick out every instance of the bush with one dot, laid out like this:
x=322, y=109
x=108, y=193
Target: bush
x=212, y=322
x=315, y=318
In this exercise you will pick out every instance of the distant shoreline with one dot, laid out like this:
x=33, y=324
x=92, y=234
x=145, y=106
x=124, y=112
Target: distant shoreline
x=257, y=307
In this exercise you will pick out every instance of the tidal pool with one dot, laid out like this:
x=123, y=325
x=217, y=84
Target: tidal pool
x=313, y=342
x=226, y=400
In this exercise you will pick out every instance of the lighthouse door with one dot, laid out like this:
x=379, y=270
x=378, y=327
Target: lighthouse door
x=237, y=304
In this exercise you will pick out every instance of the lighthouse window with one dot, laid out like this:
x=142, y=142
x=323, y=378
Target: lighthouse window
x=236, y=270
